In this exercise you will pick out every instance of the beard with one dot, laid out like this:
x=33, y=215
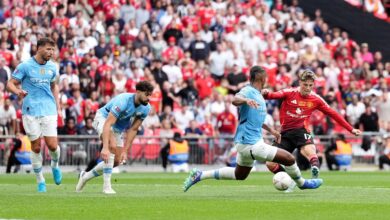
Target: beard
x=46, y=58
x=144, y=102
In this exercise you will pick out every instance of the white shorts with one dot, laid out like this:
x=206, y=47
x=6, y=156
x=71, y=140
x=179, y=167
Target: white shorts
x=36, y=127
x=98, y=124
x=260, y=151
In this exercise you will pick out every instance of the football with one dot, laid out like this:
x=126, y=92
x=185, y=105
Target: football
x=281, y=181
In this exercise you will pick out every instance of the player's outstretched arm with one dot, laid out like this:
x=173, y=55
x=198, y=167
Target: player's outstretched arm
x=12, y=86
x=240, y=100
x=131, y=133
x=327, y=110
x=274, y=95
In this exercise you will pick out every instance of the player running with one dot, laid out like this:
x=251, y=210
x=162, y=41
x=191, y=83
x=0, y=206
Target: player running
x=40, y=106
x=124, y=113
x=297, y=106
x=249, y=142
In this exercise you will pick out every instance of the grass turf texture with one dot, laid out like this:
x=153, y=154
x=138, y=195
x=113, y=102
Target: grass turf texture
x=355, y=195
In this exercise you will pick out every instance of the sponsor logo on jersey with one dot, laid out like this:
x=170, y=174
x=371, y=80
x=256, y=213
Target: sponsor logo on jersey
x=298, y=111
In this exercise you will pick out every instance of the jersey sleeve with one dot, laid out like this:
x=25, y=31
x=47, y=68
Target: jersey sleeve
x=277, y=95
x=19, y=73
x=56, y=74
x=117, y=107
x=145, y=112
x=327, y=110
x=244, y=92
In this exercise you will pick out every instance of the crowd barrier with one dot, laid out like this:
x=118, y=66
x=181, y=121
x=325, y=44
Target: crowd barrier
x=79, y=150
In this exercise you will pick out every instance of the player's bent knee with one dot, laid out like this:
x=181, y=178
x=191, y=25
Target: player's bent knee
x=290, y=160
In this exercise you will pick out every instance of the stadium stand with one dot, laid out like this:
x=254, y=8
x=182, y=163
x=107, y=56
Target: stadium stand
x=194, y=52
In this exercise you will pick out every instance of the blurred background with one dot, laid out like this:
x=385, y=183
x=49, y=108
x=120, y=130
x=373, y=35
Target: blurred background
x=197, y=55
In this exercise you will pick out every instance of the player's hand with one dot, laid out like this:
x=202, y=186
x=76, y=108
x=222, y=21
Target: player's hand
x=277, y=135
x=123, y=157
x=105, y=154
x=22, y=93
x=356, y=132
x=252, y=103
x=264, y=92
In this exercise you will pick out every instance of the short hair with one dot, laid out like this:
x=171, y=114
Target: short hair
x=144, y=86
x=255, y=71
x=44, y=41
x=307, y=75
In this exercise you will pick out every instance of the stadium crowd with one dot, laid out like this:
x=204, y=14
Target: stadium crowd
x=197, y=54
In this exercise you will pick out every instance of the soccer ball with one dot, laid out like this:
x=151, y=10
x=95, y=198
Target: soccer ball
x=282, y=181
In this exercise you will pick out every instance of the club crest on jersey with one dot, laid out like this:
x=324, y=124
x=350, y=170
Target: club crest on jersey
x=298, y=111
x=294, y=101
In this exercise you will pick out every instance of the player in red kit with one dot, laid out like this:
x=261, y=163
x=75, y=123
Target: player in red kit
x=297, y=106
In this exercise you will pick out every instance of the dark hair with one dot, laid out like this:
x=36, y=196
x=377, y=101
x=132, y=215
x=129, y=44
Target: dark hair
x=44, y=41
x=255, y=71
x=144, y=86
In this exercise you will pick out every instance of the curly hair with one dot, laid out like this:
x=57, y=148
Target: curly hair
x=144, y=86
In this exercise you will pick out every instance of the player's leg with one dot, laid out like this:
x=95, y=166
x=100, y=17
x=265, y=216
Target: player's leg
x=285, y=144
x=287, y=159
x=97, y=170
x=49, y=132
x=240, y=172
x=32, y=126
x=100, y=168
x=309, y=151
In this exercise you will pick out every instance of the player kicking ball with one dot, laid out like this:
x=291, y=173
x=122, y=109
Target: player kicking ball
x=124, y=113
x=297, y=106
x=249, y=142
x=40, y=106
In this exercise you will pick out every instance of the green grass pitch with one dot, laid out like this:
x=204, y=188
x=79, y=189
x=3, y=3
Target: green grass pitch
x=354, y=195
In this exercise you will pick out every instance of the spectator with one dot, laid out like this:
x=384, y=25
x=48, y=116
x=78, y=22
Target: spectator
x=70, y=127
x=7, y=118
x=183, y=117
x=177, y=153
x=369, y=120
x=196, y=152
x=152, y=121
x=188, y=94
x=200, y=49
x=88, y=128
x=236, y=79
x=339, y=153
x=354, y=111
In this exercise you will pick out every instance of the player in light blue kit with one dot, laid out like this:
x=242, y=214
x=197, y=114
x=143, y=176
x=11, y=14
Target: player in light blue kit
x=40, y=106
x=124, y=112
x=249, y=142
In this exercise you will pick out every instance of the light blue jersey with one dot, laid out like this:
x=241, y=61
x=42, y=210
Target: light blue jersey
x=36, y=79
x=249, y=130
x=123, y=108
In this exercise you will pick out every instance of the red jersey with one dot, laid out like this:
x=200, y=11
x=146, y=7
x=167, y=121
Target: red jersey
x=207, y=129
x=227, y=122
x=296, y=109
